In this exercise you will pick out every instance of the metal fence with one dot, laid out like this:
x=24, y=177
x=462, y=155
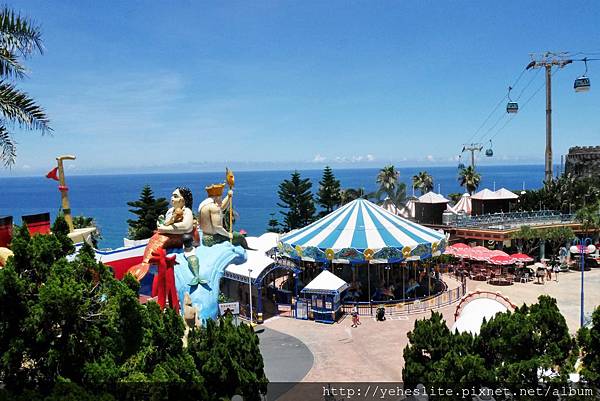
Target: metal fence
x=503, y=221
x=442, y=299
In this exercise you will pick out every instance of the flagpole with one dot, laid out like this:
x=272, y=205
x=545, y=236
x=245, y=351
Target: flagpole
x=66, y=208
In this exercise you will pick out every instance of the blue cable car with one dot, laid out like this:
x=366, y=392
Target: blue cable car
x=511, y=107
x=582, y=84
x=489, y=152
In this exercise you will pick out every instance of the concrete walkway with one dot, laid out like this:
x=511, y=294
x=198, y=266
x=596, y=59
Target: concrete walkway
x=567, y=292
x=373, y=351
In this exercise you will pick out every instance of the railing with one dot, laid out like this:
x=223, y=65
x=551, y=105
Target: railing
x=503, y=221
x=421, y=305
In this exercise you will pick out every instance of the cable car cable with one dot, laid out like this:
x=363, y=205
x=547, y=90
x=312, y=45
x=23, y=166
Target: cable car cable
x=495, y=108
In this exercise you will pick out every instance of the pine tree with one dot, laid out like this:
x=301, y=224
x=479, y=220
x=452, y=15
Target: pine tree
x=147, y=208
x=296, y=197
x=70, y=330
x=273, y=225
x=329, y=196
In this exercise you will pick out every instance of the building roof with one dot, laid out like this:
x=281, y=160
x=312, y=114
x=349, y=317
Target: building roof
x=361, y=226
x=472, y=315
x=485, y=194
x=432, y=197
x=326, y=283
x=504, y=193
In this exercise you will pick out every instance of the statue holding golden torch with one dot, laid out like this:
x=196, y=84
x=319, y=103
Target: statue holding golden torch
x=230, y=181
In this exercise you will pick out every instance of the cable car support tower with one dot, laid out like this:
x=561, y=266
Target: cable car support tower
x=547, y=61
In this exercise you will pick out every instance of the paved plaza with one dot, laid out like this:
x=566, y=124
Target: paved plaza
x=373, y=351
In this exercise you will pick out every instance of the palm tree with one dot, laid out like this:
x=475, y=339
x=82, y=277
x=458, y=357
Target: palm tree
x=589, y=218
x=19, y=38
x=387, y=178
x=423, y=181
x=469, y=179
x=349, y=194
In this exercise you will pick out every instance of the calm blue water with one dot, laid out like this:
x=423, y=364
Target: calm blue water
x=105, y=197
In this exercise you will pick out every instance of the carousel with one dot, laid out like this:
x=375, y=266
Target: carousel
x=383, y=257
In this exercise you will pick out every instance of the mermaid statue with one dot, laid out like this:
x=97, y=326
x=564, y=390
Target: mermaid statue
x=193, y=263
x=179, y=220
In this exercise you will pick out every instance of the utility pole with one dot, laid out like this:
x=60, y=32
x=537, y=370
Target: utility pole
x=472, y=147
x=547, y=61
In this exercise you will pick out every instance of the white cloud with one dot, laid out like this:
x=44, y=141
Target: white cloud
x=319, y=159
x=370, y=157
x=26, y=167
x=430, y=158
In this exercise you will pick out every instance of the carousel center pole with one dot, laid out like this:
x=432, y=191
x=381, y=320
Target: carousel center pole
x=64, y=190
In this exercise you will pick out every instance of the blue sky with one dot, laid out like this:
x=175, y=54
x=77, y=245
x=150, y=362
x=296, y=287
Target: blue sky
x=178, y=85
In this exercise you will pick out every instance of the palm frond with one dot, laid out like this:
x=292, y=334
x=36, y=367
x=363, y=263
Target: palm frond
x=17, y=106
x=8, y=150
x=19, y=34
x=9, y=65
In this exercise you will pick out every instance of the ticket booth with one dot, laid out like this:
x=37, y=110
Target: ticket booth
x=324, y=295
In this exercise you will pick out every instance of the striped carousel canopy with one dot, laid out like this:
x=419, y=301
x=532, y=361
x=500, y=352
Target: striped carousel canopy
x=362, y=231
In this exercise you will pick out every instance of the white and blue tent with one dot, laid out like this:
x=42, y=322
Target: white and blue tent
x=362, y=231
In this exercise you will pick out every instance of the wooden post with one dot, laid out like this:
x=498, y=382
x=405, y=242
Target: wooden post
x=64, y=190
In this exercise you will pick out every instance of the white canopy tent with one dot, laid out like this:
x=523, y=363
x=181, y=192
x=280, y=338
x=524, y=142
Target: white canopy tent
x=485, y=194
x=504, y=193
x=389, y=206
x=408, y=210
x=326, y=283
x=463, y=205
x=432, y=197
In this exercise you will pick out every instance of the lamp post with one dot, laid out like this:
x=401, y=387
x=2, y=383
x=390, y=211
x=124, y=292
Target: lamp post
x=250, y=292
x=580, y=245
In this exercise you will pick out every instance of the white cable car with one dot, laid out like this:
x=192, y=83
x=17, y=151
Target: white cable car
x=511, y=107
x=582, y=84
x=489, y=152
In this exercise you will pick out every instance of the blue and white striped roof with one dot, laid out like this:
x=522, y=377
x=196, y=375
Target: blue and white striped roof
x=361, y=225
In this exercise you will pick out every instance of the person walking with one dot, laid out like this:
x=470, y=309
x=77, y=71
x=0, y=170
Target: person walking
x=354, y=315
x=556, y=271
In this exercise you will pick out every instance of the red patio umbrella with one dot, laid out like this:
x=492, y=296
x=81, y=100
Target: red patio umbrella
x=521, y=257
x=497, y=252
x=460, y=245
x=501, y=260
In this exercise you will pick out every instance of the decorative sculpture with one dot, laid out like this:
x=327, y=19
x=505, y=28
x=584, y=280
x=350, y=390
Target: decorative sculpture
x=210, y=214
x=193, y=263
x=169, y=234
x=163, y=285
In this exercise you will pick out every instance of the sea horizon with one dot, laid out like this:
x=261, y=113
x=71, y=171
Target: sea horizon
x=152, y=171
x=105, y=196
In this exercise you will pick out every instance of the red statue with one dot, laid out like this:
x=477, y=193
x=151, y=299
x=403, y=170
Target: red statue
x=163, y=285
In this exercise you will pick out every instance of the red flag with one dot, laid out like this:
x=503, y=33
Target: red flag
x=53, y=174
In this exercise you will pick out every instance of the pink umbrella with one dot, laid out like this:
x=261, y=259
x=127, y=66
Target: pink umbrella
x=521, y=257
x=460, y=245
x=480, y=253
x=497, y=252
x=501, y=260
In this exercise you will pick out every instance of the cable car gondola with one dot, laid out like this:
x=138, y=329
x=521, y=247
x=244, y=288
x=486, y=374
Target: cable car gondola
x=511, y=107
x=489, y=152
x=582, y=84
x=461, y=165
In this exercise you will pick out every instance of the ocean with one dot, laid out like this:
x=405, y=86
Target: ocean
x=105, y=197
